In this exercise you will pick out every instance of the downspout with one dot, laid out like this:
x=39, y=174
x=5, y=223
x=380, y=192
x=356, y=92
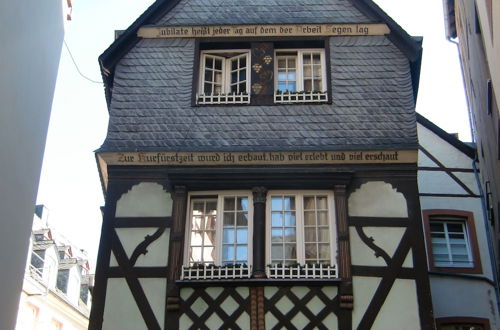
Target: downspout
x=488, y=234
x=469, y=111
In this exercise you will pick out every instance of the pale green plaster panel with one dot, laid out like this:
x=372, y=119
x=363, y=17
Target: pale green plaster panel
x=243, y=321
x=386, y=238
x=120, y=310
x=156, y=291
x=185, y=322
x=157, y=255
x=377, y=199
x=147, y=199
x=112, y=260
x=409, y=260
x=400, y=310
x=361, y=254
x=364, y=289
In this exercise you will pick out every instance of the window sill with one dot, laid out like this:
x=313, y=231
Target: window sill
x=303, y=97
x=223, y=99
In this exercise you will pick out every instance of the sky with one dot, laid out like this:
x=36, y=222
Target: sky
x=69, y=183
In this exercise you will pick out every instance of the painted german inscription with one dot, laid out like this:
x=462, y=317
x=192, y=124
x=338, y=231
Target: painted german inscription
x=259, y=158
x=217, y=31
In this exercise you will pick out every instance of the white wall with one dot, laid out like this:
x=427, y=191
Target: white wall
x=31, y=37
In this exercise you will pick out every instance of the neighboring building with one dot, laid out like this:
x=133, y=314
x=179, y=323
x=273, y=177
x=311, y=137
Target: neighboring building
x=33, y=31
x=474, y=24
x=57, y=282
x=461, y=263
x=260, y=170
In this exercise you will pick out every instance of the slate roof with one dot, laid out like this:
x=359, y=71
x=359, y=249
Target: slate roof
x=207, y=12
x=373, y=105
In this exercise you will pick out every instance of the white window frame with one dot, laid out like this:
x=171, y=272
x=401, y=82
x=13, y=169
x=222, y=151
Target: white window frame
x=219, y=226
x=299, y=207
x=442, y=219
x=225, y=96
x=300, y=96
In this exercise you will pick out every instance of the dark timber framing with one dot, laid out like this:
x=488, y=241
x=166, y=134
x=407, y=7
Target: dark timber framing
x=179, y=181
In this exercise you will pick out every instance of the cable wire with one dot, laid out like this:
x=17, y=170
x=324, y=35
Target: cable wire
x=76, y=65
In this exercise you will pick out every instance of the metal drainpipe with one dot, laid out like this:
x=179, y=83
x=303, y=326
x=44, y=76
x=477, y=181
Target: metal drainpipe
x=488, y=234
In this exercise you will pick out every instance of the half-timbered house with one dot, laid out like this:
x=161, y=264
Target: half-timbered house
x=462, y=269
x=260, y=170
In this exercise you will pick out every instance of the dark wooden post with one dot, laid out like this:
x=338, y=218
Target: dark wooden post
x=259, y=232
x=176, y=249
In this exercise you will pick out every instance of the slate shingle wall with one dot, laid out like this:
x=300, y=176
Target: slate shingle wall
x=372, y=105
x=208, y=12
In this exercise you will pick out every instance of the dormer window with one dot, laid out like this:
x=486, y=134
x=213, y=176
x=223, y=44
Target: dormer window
x=300, y=76
x=224, y=77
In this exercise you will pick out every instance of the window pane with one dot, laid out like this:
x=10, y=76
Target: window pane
x=242, y=236
x=196, y=238
x=234, y=65
x=323, y=218
x=243, y=75
x=277, y=219
x=321, y=203
x=218, y=64
x=228, y=204
x=209, y=238
x=242, y=204
x=208, y=76
x=324, y=235
x=209, y=62
x=307, y=59
x=241, y=253
x=455, y=228
x=281, y=63
x=307, y=85
x=276, y=252
x=289, y=234
x=309, y=218
x=195, y=254
x=209, y=222
x=309, y=203
x=310, y=234
x=291, y=77
x=227, y=253
x=318, y=86
x=307, y=72
x=324, y=251
x=234, y=77
x=290, y=219
x=228, y=236
x=289, y=203
x=241, y=219
x=292, y=87
x=311, y=251
x=290, y=251
x=276, y=204
x=277, y=235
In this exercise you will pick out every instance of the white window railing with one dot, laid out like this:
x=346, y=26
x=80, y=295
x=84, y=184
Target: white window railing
x=300, y=97
x=212, y=272
x=315, y=271
x=242, y=98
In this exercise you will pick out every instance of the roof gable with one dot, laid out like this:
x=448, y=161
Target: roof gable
x=202, y=12
x=449, y=138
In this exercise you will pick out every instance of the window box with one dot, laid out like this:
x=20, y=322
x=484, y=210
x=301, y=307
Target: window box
x=314, y=271
x=242, y=98
x=300, y=97
x=213, y=272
